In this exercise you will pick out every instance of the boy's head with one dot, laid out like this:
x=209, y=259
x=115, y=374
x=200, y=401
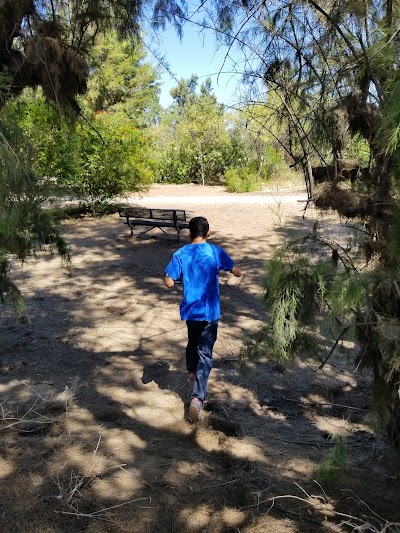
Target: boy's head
x=198, y=227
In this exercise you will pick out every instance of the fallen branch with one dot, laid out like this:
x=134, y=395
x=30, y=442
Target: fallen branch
x=98, y=514
x=307, y=402
x=373, y=524
x=19, y=420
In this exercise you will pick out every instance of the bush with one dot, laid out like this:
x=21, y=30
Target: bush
x=94, y=161
x=112, y=159
x=242, y=180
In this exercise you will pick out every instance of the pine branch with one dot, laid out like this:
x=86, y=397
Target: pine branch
x=321, y=366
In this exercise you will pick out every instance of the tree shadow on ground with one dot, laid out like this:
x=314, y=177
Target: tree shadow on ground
x=113, y=450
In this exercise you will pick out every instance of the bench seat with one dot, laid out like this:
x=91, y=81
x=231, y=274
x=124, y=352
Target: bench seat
x=154, y=218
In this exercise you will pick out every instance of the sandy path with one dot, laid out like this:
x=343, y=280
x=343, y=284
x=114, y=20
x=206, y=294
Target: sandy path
x=183, y=195
x=110, y=338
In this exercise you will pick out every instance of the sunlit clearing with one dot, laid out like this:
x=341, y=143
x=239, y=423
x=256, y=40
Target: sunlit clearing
x=335, y=426
x=204, y=516
x=245, y=449
x=6, y=468
x=154, y=407
x=122, y=444
x=120, y=485
x=85, y=460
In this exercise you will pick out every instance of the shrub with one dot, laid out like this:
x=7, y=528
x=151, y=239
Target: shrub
x=242, y=180
x=93, y=161
x=112, y=160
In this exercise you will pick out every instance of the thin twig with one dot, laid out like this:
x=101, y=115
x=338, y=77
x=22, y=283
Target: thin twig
x=396, y=286
x=128, y=309
x=227, y=416
x=307, y=442
x=220, y=484
x=151, y=486
x=316, y=403
x=360, y=524
x=174, y=491
x=23, y=417
x=97, y=514
x=321, y=366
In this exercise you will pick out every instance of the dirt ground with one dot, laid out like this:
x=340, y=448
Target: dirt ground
x=94, y=428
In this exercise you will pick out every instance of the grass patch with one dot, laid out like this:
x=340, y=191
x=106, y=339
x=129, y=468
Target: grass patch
x=332, y=467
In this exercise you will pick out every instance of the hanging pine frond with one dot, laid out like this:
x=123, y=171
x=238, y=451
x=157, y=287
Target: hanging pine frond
x=24, y=226
x=295, y=290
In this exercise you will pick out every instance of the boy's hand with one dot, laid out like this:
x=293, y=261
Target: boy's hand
x=169, y=282
x=236, y=271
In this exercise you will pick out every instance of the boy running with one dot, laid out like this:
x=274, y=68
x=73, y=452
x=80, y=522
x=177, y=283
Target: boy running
x=197, y=265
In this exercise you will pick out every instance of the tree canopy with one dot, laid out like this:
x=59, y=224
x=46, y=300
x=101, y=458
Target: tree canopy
x=328, y=73
x=45, y=43
x=122, y=80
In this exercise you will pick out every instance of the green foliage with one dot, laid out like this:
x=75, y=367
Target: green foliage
x=52, y=137
x=24, y=226
x=177, y=164
x=242, y=180
x=389, y=127
x=108, y=153
x=348, y=292
x=200, y=142
x=359, y=150
x=332, y=467
x=48, y=42
x=5, y=87
x=300, y=290
x=192, y=137
x=121, y=81
x=112, y=159
x=95, y=161
x=255, y=143
x=184, y=94
x=295, y=289
x=324, y=108
x=273, y=163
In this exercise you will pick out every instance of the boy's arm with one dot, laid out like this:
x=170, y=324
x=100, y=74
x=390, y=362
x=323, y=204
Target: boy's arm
x=173, y=271
x=236, y=271
x=169, y=282
x=226, y=263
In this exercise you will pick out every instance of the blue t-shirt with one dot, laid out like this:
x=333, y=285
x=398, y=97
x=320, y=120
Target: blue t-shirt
x=197, y=266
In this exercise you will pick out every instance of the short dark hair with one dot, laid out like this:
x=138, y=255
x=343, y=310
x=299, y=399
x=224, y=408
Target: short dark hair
x=198, y=227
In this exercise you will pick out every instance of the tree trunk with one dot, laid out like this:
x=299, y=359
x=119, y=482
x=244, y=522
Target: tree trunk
x=394, y=422
x=310, y=178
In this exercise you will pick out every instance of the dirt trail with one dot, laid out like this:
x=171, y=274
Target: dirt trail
x=97, y=364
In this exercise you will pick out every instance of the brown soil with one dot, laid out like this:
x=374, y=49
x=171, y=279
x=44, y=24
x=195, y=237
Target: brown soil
x=95, y=434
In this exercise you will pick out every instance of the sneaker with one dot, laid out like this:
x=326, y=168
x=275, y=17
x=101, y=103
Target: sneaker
x=191, y=377
x=195, y=409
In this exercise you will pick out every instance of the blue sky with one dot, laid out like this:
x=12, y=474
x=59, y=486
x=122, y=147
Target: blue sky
x=197, y=53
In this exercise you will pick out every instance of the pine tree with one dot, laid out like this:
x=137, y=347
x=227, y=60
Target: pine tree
x=331, y=75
